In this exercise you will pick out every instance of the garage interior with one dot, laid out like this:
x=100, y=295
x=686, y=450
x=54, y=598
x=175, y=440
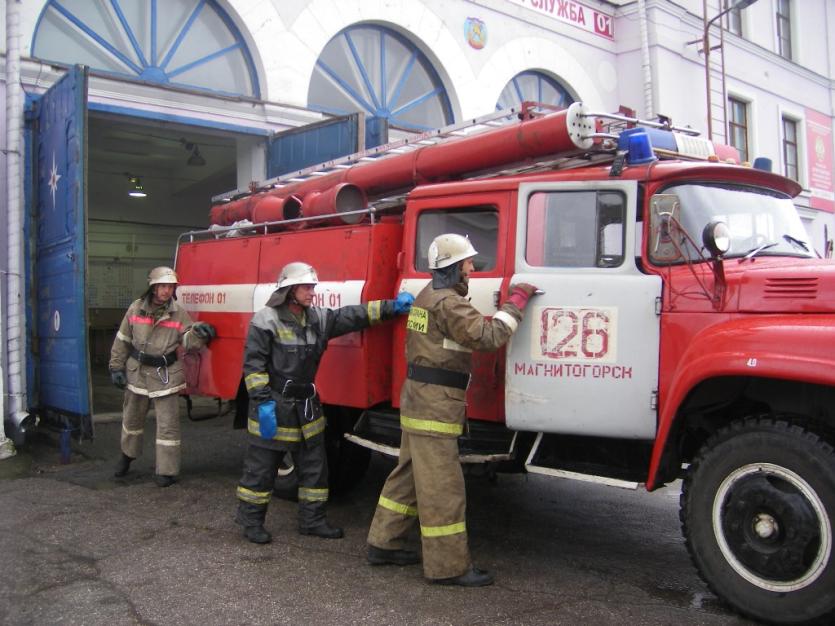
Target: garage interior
x=179, y=169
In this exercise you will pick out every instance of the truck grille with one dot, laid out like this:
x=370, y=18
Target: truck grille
x=791, y=288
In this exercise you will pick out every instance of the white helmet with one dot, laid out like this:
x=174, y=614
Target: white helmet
x=296, y=274
x=445, y=250
x=162, y=274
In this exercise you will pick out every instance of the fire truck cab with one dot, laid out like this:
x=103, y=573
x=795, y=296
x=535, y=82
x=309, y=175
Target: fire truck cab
x=686, y=327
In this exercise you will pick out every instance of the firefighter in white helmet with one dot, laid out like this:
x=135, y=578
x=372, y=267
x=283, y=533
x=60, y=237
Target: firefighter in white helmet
x=428, y=485
x=143, y=362
x=284, y=345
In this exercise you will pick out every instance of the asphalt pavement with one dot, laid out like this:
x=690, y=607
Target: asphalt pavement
x=80, y=547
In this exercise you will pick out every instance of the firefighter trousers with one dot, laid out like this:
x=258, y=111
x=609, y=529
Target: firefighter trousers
x=134, y=410
x=426, y=486
x=256, y=485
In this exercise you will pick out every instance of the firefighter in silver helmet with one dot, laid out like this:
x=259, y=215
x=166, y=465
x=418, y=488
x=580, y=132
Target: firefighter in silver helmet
x=442, y=330
x=284, y=345
x=143, y=362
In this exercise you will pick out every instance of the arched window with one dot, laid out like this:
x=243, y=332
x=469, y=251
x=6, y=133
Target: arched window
x=375, y=70
x=190, y=43
x=534, y=86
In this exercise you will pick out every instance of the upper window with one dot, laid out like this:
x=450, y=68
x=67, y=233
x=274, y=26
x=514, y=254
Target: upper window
x=738, y=127
x=733, y=20
x=479, y=224
x=189, y=43
x=374, y=70
x=536, y=87
x=790, y=149
x=575, y=229
x=784, y=29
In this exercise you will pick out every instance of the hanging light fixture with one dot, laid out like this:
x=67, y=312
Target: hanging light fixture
x=196, y=159
x=135, y=190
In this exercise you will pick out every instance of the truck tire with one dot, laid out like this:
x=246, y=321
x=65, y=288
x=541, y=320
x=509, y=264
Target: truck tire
x=757, y=512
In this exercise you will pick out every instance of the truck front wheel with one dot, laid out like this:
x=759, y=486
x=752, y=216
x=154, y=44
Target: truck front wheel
x=757, y=510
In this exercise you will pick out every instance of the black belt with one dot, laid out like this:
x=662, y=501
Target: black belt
x=438, y=376
x=297, y=391
x=155, y=361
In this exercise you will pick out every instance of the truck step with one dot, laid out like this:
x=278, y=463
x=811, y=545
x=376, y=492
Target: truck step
x=567, y=457
x=482, y=443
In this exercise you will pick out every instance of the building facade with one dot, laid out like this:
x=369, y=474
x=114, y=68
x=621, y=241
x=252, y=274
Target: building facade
x=182, y=98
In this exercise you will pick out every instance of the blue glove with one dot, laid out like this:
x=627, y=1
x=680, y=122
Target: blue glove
x=266, y=419
x=403, y=302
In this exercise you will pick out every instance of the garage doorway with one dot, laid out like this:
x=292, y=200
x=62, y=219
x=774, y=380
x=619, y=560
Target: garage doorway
x=148, y=181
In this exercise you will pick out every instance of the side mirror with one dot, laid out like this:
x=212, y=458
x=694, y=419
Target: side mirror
x=664, y=228
x=716, y=238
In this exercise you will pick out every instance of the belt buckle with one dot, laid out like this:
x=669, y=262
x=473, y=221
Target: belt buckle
x=141, y=357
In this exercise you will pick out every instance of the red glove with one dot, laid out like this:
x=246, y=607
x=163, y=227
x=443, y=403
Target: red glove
x=520, y=294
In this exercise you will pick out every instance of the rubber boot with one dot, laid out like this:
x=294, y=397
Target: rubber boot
x=257, y=534
x=379, y=556
x=323, y=529
x=123, y=465
x=164, y=481
x=473, y=577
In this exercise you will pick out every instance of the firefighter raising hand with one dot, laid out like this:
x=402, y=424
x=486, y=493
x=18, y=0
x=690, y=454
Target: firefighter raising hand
x=442, y=331
x=521, y=293
x=403, y=302
x=284, y=345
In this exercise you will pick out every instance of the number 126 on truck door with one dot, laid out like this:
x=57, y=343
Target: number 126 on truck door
x=575, y=334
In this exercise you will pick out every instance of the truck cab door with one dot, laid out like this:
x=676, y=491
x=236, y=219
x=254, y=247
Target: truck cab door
x=584, y=360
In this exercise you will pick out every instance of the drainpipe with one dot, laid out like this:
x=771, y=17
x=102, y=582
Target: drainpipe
x=13, y=386
x=645, y=63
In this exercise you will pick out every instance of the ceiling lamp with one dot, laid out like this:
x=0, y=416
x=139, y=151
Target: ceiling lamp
x=136, y=190
x=196, y=159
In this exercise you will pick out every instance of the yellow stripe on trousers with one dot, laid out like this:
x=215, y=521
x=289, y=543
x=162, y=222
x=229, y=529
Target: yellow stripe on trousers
x=403, y=509
x=253, y=497
x=443, y=531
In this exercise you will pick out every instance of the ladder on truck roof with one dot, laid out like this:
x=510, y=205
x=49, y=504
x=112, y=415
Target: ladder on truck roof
x=474, y=126
x=586, y=138
x=408, y=144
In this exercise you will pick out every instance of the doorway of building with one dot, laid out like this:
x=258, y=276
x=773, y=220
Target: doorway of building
x=148, y=181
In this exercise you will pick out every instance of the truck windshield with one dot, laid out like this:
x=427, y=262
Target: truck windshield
x=762, y=222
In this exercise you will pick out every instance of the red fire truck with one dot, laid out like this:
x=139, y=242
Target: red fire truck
x=687, y=329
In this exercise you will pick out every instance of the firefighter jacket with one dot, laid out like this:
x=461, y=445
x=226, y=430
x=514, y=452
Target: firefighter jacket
x=149, y=333
x=442, y=330
x=281, y=357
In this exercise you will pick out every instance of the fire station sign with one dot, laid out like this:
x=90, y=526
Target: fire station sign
x=573, y=13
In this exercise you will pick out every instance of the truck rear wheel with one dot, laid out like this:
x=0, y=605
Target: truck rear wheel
x=757, y=511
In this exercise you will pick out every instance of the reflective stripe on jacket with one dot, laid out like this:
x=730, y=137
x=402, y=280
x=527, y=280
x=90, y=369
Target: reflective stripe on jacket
x=442, y=331
x=156, y=331
x=280, y=348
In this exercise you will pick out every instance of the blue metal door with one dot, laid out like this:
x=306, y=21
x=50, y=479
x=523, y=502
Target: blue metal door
x=296, y=149
x=62, y=366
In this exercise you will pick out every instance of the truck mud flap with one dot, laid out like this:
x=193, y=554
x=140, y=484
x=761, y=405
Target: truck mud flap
x=483, y=443
x=544, y=458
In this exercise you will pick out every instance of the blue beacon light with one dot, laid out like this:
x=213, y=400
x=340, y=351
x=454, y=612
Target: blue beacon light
x=636, y=143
